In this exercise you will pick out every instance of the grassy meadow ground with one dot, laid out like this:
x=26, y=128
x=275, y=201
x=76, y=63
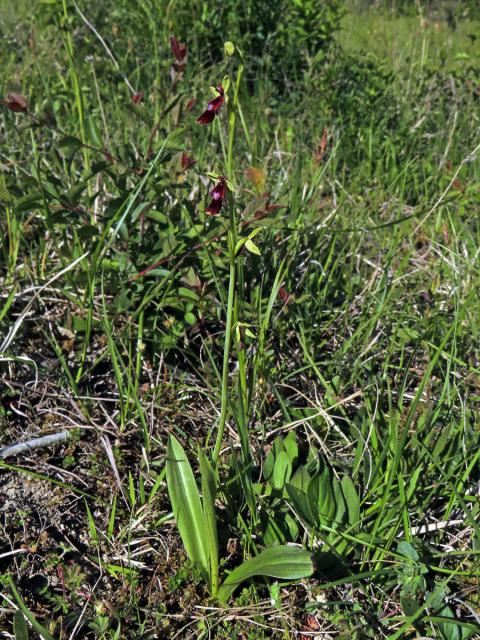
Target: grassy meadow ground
x=343, y=266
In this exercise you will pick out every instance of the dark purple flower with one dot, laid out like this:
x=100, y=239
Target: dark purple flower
x=213, y=107
x=219, y=197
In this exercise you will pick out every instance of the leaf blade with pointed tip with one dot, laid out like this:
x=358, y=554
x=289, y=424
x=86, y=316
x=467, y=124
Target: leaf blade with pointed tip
x=209, y=490
x=186, y=505
x=353, y=502
x=252, y=247
x=282, y=561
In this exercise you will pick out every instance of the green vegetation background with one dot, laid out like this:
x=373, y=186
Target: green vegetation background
x=355, y=160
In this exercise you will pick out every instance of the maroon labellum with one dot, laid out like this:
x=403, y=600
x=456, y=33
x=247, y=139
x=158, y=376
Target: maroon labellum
x=219, y=197
x=137, y=97
x=213, y=107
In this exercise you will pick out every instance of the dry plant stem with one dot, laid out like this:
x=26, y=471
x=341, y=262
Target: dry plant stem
x=35, y=443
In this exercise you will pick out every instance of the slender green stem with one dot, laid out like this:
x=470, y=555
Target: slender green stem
x=232, y=241
x=226, y=353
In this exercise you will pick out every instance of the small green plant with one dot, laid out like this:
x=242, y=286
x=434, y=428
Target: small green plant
x=411, y=575
x=327, y=506
x=195, y=514
x=197, y=524
x=280, y=460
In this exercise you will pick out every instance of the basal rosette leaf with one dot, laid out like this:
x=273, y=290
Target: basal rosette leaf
x=187, y=507
x=282, y=561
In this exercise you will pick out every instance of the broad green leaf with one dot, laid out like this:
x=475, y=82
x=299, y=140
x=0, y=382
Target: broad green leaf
x=321, y=499
x=190, y=318
x=281, y=471
x=269, y=464
x=209, y=489
x=407, y=550
x=69, y=142
x=29, y=202
x=301, y=479
x=301, y=505
x=282, y=561
x=272, y=533
x=5, y=195
x=449, y=631
x=353, y=502
x=186, y=505
x=93, y=132
x=278, y=446
x=291, y=446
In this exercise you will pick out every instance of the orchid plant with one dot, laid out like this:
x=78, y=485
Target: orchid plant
x=194, y=511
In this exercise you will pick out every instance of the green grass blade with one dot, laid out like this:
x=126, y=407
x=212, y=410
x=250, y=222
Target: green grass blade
x=20, y=628
x=42, y=632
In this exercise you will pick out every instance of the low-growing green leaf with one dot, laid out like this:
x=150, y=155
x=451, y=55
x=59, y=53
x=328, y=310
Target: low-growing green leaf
x=340, y=508
x=353, y=501
x=301, y=505
x=301, y=479
x=291, y=446
x=209, y=489
x=282, y=561
x=187, y=506
x=282, y=470
x=321, y=499
x=269, y=465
